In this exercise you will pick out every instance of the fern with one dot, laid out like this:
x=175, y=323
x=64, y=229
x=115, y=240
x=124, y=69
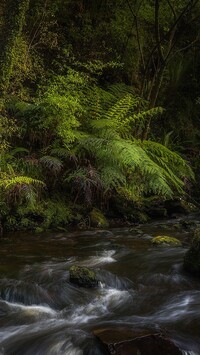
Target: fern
x=121, y=157
x=86, y=182
x=53, y=164
x=64, y=153
x=112, y=177
x=10, y=182
x=120, y=110
x=91, y=138
x=168, y=159
x=120, y=90
x=20, y=188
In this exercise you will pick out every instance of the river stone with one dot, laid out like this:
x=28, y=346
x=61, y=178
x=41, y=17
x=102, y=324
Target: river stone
x=83, y=276
x=165, y=240
x=97, y=219
x=192, y=256
x=150, y=344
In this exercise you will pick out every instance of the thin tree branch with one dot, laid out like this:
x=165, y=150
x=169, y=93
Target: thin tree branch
x=186, y=47
x=170, y=33
x=157, y=31
x=172, y=9
x=137, y=33
x=37, y=29
x=125, y=45
x=190, y=6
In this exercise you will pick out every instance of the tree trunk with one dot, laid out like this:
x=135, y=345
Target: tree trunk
x=153, y=98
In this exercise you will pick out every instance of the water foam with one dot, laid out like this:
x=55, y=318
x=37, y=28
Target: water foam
x=105, y=258
x=109, y=301
x=33, y=310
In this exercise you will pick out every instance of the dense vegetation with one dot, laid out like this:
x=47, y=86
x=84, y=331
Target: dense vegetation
x=99, y=107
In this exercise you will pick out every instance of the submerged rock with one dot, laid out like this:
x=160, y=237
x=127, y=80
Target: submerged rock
x=97, y=219
x=150, y=344
x=192, y=256
x=83, y=276
x=162, y=240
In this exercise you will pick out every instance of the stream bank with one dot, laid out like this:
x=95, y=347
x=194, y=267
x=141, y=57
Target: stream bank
x=144, y=289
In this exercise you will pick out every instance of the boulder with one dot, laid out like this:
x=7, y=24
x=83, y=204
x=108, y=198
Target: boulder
x=179, y=206
x=149, y=344
x=175, y=207
x=83, y=277
x=97, y=219
x=157, y=212
x=192, y=256
x=165, y=240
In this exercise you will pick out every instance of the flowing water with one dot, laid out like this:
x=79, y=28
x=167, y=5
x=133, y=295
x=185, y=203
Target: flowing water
x=143, y=289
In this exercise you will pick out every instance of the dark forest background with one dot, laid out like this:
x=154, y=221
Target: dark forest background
x=99, y=108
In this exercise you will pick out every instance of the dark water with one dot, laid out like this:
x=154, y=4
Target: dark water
x=143, y=289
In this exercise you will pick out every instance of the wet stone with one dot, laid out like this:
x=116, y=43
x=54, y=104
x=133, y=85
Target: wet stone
x=165, y=240
x=150, y=344
x=83, y=277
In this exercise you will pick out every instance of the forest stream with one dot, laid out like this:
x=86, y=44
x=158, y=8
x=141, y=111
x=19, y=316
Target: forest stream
x=143, y=290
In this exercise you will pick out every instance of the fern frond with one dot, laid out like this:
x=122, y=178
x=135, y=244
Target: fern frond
x=131, y=155
x=10, y=182
x=82, y=176
x=119, y=90
x=168, y=158
x=121, y=108
x=112, y=177
x=52, y=163
x=96, y=109
x=30, y=195
x=143, y=115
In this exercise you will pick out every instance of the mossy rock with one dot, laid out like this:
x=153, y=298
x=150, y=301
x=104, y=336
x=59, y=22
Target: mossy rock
x=97, y=219
x=192, y=256
x=165, y=240
x=83, y=277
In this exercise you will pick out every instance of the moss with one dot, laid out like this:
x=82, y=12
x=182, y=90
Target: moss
x=39, y=230
x=83, y=276
x=97, y=219
x=160, y=240
x=46, y=214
